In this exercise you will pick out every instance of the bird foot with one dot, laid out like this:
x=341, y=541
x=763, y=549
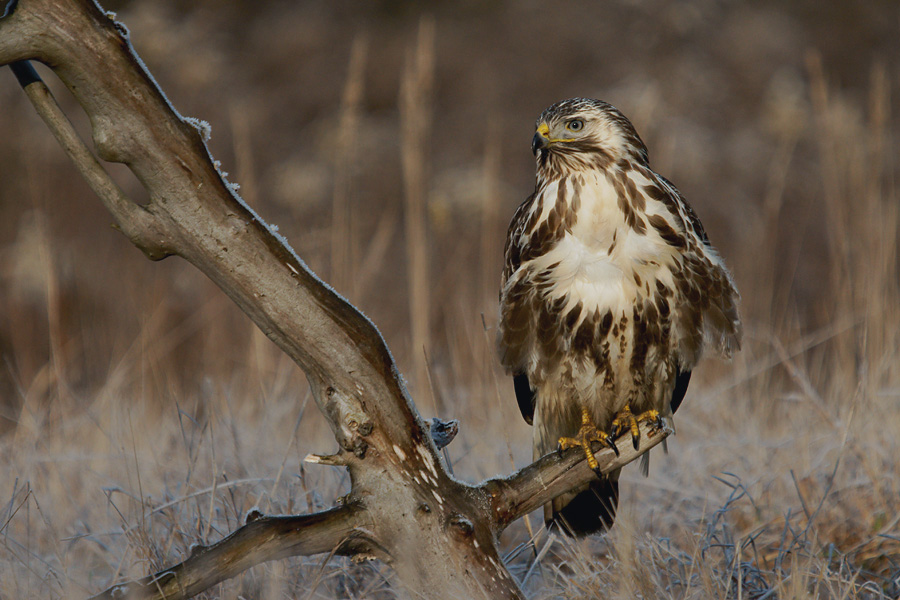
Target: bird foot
x=627, y=421
x=585, y=437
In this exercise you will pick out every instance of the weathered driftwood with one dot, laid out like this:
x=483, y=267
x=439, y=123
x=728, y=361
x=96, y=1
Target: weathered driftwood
x=439, y=534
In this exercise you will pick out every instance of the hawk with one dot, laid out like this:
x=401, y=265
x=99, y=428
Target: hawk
x=610, y=293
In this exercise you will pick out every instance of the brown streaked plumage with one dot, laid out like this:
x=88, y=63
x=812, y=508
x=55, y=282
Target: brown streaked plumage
x=610, y=293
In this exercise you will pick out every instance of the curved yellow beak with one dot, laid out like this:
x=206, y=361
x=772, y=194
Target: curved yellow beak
x=541, y=138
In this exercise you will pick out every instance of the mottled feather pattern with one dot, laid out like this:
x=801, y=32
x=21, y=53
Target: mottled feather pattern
x=611, y=290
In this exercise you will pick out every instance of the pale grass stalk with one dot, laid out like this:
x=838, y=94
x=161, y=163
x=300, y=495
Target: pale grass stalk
x=289, y=446
x=765, y=275
x=344, y=161
x=242, y=146
x=437, y=401
x=58, y=366
x=492, y=230
x=415, y=118
x=835, y=205
x=375, y=256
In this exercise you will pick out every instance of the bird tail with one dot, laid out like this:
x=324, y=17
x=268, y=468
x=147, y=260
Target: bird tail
x=590, y=511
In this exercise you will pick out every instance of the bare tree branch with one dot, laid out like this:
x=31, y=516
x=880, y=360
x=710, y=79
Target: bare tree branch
x=340, y=350
x=133, y=220
x=439, y=534
x=262, y=539
x=543, y=480
x=344, y=530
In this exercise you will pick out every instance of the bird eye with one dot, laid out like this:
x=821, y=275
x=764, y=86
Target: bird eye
x=575, y=125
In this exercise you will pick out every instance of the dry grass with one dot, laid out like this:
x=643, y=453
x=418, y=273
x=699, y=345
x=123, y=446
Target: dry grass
x=142, y=414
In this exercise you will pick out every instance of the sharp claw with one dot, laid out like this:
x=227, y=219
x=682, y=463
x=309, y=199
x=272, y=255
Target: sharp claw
x=612, y=445
x=598, y=472
x=636, y=442
x=559, y=450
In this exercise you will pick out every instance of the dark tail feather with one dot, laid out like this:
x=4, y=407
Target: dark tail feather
x=591, y=511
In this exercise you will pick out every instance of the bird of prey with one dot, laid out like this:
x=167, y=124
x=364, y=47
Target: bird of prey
x=610, y=293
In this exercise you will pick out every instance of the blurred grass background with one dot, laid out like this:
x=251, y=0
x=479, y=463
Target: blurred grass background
x=141, y=413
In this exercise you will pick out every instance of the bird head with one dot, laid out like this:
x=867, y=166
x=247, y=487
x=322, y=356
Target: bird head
x=581, y=134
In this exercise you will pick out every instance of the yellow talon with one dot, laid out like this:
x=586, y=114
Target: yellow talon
x=627, y=421
x=586, y=435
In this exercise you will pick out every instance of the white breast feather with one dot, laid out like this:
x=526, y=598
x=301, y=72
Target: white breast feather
x=584, y=269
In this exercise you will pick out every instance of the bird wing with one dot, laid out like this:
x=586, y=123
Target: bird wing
x=681, y=385
x=512, y=251
x=513, y=348
x=525, y=396
x=716, y=316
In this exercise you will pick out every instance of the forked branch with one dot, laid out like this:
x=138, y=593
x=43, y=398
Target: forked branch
x=343, y=531
x=335, y=531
